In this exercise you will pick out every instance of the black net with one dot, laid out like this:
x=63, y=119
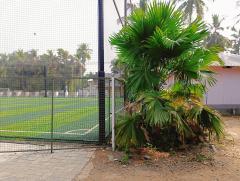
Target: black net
x=49, y=109
x=49, y=85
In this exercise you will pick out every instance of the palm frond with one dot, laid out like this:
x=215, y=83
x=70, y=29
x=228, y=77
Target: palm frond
x=130, y=131
x=208, y=119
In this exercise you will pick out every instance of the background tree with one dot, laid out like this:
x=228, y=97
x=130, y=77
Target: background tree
x=83, y=53
x=191, y=7
x=62, y=55
x=116, y=67
x=25, y=69
x=129, y=7
x=32, y=55
x=215, y=37
x=50, y=60
x=143, y=4
x=238, y=15
x=236, y=41
x=3, y=63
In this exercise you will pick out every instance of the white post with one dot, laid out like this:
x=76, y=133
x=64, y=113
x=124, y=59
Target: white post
x=113, y=114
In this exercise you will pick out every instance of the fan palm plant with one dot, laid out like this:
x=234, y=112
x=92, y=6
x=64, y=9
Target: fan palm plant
x=154, y=47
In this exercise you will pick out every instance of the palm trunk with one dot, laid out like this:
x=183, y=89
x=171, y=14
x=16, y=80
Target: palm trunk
x=125, y=12
x=238, y=47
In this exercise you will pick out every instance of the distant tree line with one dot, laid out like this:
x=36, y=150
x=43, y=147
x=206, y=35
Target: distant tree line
x=27, y=70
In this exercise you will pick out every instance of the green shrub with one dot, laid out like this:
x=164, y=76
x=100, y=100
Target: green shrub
x=155, y=47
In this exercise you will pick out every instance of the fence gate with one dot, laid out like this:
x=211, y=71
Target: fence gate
x=52, y=73
x=43, y=113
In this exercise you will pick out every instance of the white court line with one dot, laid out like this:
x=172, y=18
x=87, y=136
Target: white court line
x=75, y=130
x=120, y=110
x=87, y=132
x=98, y=124
x=90, y=129
x=59, y=133
x=94, y=127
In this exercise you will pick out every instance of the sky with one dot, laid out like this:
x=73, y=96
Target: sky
x=52, y=24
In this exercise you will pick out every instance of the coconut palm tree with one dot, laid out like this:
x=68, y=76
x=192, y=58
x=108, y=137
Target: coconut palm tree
x=33, y=54
x=83, y=53
x=238, y=15
x=189, y=7
x=215, y=37
x=20, y=55
x=62, y=55
x=143, y=4
x=129, y=7
x=236, y=41
x=216, y=23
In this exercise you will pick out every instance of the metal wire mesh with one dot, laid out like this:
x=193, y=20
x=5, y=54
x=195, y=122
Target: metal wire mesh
x=49, y=92
x=119, y=96
x=51, y=109
x=119, y=101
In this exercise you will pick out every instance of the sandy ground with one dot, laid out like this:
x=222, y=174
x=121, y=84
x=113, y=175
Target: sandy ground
x=203, y=163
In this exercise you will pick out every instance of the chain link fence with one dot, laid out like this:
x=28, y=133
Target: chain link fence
x=47, y=110
x=50, y=89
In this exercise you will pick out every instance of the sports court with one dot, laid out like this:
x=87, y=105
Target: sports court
x=31, y=117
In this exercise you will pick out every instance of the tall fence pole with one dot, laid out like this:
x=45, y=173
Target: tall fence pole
x=125, y=12
x=113, y=114
x=52, y=114
x=101, y=73
x=109, y=106
x=45, y=79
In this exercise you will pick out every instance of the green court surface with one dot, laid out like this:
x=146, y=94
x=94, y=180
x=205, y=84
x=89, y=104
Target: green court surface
x=31, y=117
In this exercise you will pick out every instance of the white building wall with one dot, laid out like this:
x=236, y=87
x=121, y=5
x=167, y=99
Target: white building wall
x=227, y=89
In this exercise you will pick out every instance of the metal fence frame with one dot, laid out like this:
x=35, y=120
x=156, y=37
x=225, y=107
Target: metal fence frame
x=49, y=93
x=101, y=86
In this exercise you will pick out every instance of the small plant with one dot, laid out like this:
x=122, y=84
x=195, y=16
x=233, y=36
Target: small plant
x=125, y=159
x=202, y=158
x=172, y=153
x=151, y=146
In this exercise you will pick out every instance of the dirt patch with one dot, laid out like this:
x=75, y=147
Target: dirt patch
x=204, y=162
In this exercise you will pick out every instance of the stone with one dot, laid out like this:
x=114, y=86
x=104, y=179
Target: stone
x=213, y=148
x=147, y=157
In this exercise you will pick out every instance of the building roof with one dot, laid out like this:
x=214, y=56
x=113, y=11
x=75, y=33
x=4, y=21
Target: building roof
x=230, y=59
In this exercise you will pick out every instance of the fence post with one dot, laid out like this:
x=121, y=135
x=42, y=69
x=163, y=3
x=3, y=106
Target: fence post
x=52, y=114
x=109, y=106
x=113, y=113
x=101, y=74
x=45, y=80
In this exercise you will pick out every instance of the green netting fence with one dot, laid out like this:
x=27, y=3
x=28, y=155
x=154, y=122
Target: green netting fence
x=54, y=109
